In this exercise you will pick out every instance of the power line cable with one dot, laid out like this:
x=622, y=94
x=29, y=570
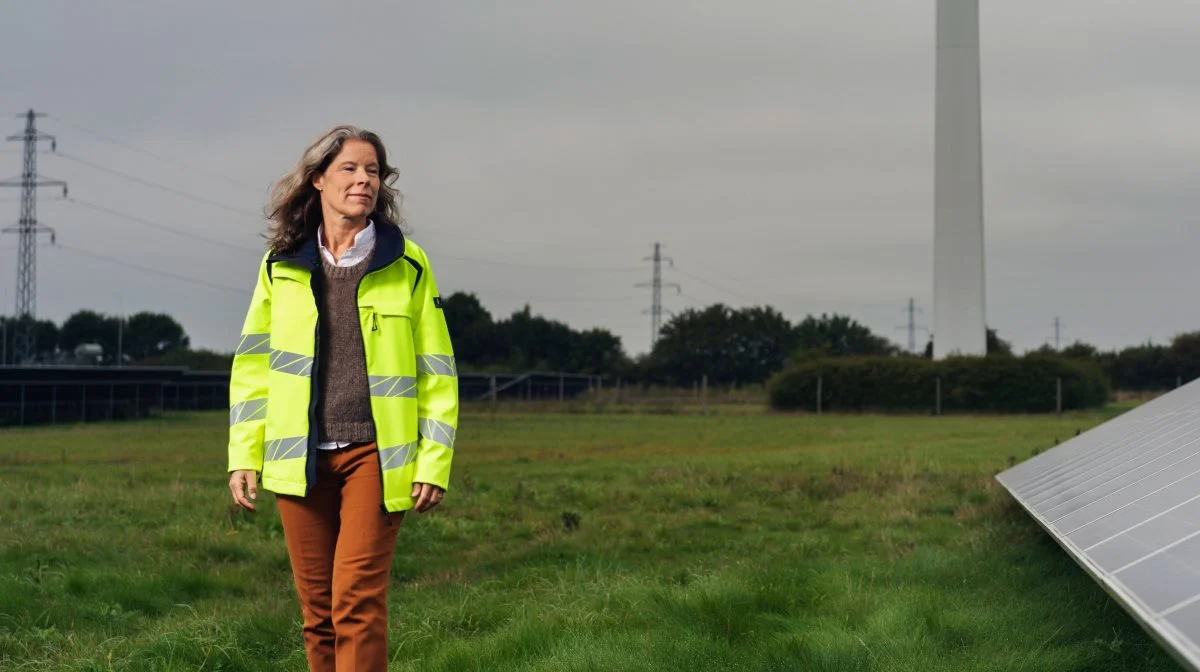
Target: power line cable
x=163, y=227
x=582, y=269
x=201, y=199
x=159, y=186
x=166, y=274
x=715, y=285
x=778, y=296
x=441, y=233
x=235, y=209
x=140, y=150
x=559, y=299
x=547, y=299
x=240, y=248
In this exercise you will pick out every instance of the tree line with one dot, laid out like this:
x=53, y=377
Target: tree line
x=748, y=345
x=732, y=346
x=142, y=338
x=1144, y=368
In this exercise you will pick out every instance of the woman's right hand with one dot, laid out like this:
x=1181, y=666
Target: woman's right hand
x=241, y=484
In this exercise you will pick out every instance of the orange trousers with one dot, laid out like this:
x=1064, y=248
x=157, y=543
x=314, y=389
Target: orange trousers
x=340, y=544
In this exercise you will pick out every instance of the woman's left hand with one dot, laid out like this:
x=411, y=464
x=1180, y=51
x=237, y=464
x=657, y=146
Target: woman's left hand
x=427, y=496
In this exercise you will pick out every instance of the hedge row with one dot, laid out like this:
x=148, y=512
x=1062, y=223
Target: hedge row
x=973, y=384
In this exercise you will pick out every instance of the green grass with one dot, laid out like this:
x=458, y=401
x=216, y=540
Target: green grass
x=747, y=542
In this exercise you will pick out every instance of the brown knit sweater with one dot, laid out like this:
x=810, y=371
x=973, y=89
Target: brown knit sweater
x=344, y=412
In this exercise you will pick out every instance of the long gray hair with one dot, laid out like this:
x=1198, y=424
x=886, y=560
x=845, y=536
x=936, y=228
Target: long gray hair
x=295, y=205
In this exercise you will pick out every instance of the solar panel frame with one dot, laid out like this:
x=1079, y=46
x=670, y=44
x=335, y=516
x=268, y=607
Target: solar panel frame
x=1115, y=498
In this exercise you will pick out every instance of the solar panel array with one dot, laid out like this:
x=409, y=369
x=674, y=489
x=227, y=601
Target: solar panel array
x=1124, y=500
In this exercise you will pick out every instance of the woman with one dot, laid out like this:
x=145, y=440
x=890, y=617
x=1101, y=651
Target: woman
x=344, y=394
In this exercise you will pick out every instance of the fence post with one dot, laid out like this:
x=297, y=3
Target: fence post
x=617, y=397
x=695, y=390
x=704, y=394
x=22, y=404
x=1058, y=395
x=494, y=395
x=820, y=390
x=938, y=408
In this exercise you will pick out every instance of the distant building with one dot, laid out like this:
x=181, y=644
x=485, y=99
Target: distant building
x=88, y=354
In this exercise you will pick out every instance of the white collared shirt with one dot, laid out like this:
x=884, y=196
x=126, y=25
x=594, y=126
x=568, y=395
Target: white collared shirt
x=364, y=244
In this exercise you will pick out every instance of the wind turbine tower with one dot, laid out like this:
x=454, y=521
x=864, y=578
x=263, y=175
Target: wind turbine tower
x=960, y=324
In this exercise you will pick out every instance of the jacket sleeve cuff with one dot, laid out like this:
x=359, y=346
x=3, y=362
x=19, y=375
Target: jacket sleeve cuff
x=433, y=464
x=243, y=465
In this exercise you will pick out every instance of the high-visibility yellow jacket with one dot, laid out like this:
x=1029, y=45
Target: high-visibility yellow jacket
x=410, y=370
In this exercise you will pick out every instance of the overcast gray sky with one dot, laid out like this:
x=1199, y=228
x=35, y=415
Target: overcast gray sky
x=782, y=151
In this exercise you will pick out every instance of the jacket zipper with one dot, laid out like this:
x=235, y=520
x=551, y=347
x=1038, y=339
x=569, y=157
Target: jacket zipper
x=314, y=391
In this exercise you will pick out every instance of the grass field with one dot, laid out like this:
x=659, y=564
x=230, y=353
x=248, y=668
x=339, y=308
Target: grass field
x=742, y=542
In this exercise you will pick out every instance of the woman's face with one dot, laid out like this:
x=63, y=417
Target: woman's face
x=350, y=185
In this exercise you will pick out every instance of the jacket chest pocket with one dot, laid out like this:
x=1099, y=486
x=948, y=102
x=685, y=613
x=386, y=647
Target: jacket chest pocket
x=388, y=337
x=388, y=317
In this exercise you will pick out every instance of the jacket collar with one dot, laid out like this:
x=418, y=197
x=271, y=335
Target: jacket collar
x=389, y=246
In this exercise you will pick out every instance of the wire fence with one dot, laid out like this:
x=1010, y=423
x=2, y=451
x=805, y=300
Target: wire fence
x=574, y=393
x=48, y=395
x=53, y=396
x=32, y=395
x=528, y=386
x=34, y=402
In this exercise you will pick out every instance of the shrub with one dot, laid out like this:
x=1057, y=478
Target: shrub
x=987, y=384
